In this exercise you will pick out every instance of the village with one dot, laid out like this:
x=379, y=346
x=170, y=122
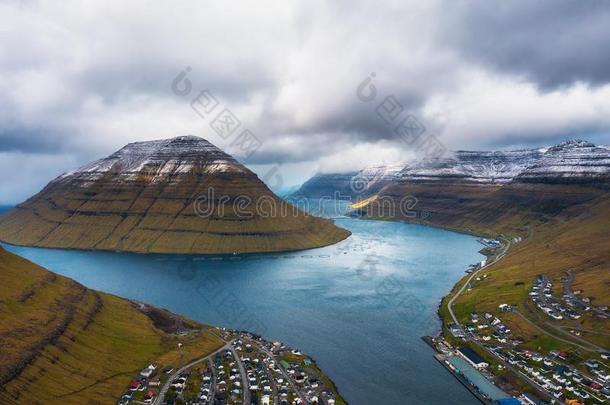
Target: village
x=247, y=370
x=569, y=306
x=548, y=377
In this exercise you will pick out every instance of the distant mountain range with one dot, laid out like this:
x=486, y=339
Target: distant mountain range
x=180, y=195
x=571, y=162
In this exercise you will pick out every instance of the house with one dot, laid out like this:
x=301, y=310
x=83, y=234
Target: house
x=531, y=399
x=601, y=375
x=147, y=372
x=456, y=330
x=149, y=396
x=472, y=357
x=591, y=364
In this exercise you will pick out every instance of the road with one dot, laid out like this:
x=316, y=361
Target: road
x=244, y=377
x=161, y=397
x=569, y=292
x=473, y=275
x=284, y=373
x=541, y=391
x=591, y=347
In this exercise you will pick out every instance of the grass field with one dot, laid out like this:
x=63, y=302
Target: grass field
x=65, y=344
x=578, y=243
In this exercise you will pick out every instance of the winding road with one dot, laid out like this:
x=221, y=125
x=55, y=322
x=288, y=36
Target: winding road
x=473, y=275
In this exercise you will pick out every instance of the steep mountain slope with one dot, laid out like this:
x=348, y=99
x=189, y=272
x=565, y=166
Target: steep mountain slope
x=65, y=344
x=486, y=192
x=180, y=195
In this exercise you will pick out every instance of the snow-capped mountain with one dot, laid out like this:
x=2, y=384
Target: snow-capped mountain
x=158, y=159
x=473, y=166
x=180, y=195
x=570, y=162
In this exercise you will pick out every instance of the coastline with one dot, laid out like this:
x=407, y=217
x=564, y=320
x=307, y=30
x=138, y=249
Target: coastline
x=469, y=244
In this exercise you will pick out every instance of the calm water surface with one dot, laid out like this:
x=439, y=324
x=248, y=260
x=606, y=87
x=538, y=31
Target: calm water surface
x=358, y=307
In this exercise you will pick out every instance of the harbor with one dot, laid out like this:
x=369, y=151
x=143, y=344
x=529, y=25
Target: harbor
x=464, y=366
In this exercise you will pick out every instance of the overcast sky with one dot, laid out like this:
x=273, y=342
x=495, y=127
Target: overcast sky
x=80, y=79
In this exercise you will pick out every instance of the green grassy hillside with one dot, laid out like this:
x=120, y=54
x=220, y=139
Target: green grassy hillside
x=62, y=343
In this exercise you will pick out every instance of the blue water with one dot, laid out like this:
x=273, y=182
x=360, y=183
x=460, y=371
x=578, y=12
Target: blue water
x=476, y=378
x=358, y=307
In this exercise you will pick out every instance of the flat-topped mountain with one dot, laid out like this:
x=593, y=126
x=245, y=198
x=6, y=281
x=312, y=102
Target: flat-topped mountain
x=180, y=195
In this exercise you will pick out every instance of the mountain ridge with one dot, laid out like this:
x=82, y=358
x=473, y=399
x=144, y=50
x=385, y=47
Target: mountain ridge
x=587, y=164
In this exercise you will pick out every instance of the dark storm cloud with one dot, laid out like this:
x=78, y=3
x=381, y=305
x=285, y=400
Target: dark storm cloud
x=553, y=43
x=30, y=140
x=478, y=74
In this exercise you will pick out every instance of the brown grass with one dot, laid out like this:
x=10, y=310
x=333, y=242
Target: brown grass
x=65, y=344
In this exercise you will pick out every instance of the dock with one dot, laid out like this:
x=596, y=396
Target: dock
x=442, y=359
x=479, y=386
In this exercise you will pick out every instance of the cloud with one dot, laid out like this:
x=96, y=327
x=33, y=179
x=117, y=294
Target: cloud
x=28, y=173
x=551, y=43
x=83, y=79
x=491, y=111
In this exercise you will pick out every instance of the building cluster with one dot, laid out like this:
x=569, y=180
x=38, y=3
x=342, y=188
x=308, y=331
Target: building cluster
x=557, y=376
x=488, y=327
x=491, y=243
x=277, y=374
x=144, y=388
x=552, y=374
x=247, y=370
x=542, y=296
